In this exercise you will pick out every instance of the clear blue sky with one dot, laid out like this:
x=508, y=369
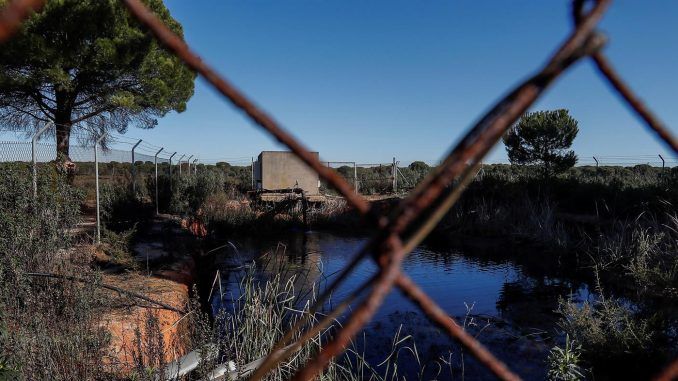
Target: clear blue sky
x=368, y=80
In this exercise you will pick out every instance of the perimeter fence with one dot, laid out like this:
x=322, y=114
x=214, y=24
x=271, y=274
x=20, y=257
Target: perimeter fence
x=401, y=231
x=121, y=161
x=381, y=178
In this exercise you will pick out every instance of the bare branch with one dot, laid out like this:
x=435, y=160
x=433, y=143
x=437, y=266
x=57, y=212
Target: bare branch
x=30, y=113
x=91, y=114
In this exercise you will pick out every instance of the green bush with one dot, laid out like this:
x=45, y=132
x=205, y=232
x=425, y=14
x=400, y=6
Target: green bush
x=53, y=331
x=564, y=363
x=606, y=328
x=34, y=229
x=186, y=194
x=118, y=246
x=120, y=207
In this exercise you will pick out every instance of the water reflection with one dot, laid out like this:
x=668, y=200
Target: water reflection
x=511, y=311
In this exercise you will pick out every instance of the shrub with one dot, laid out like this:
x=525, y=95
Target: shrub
x=186, y=194
x=641, y=253
x=34, y=229
x=118, y=247
x=120, y=207
x=52, y=328
x=197, y=188
x=564, y=362
x=228, y=214
x=606, y=328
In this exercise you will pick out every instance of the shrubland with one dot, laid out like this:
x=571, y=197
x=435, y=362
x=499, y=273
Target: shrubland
x=617, y=227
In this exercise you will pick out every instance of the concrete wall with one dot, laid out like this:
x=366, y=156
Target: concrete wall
x=283, y=170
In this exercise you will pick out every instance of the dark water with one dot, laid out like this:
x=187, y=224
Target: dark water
x=510, y=311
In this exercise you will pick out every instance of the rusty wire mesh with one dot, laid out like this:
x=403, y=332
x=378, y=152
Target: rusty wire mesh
x=401, y=231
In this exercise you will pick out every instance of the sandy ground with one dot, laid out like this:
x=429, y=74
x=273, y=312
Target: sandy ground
x=168, y=282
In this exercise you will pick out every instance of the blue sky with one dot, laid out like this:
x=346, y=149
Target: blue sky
x=368, y=80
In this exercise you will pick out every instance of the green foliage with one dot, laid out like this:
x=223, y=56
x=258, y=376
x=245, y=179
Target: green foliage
x=6, y=371
x=643, y=253
x=118, y=246
x=542, y=138
x=33, y=229
x=53, y=330
x=419, y=166
x=413, y=174
x=621, y=220
x=119, y=205
x=608, y=192
x=196, y=188
x=378, y=179
x=606, y=328
x=375, y=180
x=186, y=194
x=89, y=64
x=56, y=333
x=564, y=362
x=237, y=179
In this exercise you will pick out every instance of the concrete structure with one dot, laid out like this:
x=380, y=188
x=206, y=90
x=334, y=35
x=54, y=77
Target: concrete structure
x=275, y=170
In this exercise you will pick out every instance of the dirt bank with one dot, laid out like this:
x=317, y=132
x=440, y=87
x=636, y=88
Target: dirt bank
x=142, y=333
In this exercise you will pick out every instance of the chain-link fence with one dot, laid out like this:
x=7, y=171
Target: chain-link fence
x=381, y=178
x=366, y=179
x=400, y=232
x=386, y=179
x=120, y=162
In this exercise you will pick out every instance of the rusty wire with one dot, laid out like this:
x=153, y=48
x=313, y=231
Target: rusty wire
x=177, y=46
x=623, y=90
x=417, y=214
x=605, y=67
x=670, y=373
x=471, y=149
x=14, y=13
x=389, y=273
x=517, y=101
x=277, y=356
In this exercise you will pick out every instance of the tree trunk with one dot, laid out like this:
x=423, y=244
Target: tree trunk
x=62, y=119
x=63, y=124
x=63, y=135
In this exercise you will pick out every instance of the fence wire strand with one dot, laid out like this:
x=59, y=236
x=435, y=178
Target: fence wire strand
x=418, y=213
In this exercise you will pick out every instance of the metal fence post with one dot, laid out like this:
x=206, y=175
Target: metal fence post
x=663, y=162
x=596, y=160
x=155, y=159
x=355, y=177
x=96, y=181
x=397, y=170
x=189, y=164
x=252, y=173
x=134, y=170
x=195, y=166
x=34, y=155
x=395, y=177
x=170, y=171
x=179, y=162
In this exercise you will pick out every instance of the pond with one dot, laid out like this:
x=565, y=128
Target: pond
x=511, y=312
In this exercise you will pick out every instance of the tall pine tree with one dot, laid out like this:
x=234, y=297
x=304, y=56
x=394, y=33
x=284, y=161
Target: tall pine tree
x=88, y=65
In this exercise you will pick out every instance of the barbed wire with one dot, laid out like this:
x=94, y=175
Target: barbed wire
x=149, y=148
x=82, y=140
